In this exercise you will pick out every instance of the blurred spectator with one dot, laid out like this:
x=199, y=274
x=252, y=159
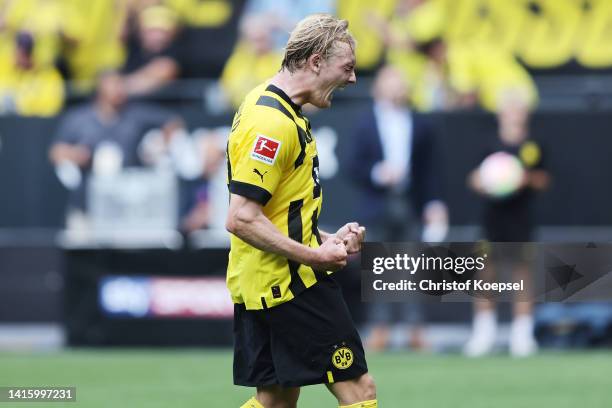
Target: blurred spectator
x=549, y=32
x=99, y=28
x=282, y=15
x=199, y=162
x=508, y=218
x=26, y=88
x=394, y=164
x=450, y=73
x=109, y=124
x=484, y=74
x=209, y=203
x=594, y=37
x=414, y=37
x=253, y=60
x=153, y=58
x=48, y=21
x=198, y=13
x=366, y=18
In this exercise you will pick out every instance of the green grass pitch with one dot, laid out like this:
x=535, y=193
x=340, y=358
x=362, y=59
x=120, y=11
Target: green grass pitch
x=203, y=378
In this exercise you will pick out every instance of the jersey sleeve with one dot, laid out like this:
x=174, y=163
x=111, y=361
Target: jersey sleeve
x=263, y=152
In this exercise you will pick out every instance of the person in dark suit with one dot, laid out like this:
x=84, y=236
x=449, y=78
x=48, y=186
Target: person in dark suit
x=394, y=167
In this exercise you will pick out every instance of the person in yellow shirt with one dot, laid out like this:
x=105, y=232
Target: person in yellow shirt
x=253, y=60
x=48, y=22
x=26, y=88
x=202, y=14
x=367, y=21
x=99, y=25
x=417, y=48
x=484, y=74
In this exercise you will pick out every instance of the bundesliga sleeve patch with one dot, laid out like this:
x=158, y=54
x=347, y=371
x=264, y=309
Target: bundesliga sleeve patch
x=265, y=149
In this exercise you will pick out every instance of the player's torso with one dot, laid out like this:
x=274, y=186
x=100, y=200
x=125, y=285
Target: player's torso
x=294, y=207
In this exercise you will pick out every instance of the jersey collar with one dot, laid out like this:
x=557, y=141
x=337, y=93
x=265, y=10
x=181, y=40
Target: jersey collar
x=275, y=90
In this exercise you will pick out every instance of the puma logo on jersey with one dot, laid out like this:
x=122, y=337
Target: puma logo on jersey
x=259, y=174
x=265, y=149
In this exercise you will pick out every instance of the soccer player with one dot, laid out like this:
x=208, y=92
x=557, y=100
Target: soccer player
x=292, y=326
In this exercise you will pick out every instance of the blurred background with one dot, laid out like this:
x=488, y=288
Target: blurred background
x=470, y=119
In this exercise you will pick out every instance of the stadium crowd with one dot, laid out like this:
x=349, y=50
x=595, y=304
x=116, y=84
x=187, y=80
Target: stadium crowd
x=451, y=54
x=454, y=53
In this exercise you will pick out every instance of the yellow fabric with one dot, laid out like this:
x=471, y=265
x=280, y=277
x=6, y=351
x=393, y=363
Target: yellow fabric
x=99, y=47
x=548, y=39
x=363, y=404
x=490, y=73
x=199, y=13
x=244, y=70
x=330, y=377
x=530, y=154
x=158, y=16
x=594, y=45
x=493, y=22
x=35, y=92
x=425, y=22
x=253, y=274
x=252, y=403
x=45, y=20
x=421, y=75
x=362, y=16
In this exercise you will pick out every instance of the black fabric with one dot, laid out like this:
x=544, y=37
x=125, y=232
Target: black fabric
x=315, y=226
x=292, y=344
x=316, y=192
x=138, y=57
x=277, y=91
x=509, y=219
x=294, y=226
x=270, y=102
x=256, y=193
x=229, y=164
x=302, y=137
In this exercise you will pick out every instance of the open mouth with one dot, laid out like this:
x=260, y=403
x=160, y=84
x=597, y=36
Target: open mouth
x=338, y=88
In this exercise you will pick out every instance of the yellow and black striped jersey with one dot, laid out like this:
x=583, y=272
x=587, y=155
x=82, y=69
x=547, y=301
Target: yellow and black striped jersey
x=272, y=159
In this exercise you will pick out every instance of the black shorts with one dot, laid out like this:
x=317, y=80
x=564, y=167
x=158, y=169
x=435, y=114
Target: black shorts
x=309, y=340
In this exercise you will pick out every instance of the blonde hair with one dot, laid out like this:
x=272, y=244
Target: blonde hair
x=315, y=34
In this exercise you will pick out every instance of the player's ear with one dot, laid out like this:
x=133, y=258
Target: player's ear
x=314, y=63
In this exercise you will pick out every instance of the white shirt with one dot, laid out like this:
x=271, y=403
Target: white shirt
x=394, y=126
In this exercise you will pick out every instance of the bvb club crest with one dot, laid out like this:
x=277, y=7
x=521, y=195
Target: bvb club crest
x=342, y=358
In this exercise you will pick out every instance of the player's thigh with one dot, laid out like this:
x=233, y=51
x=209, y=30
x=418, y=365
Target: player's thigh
x=314, y=339
x=253, y=361
x=275, y=396
x=353, y=391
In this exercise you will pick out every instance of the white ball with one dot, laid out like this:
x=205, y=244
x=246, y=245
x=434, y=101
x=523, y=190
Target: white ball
x=501, y=174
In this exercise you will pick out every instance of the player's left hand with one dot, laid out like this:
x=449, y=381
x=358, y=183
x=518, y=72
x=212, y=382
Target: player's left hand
x=352, y=234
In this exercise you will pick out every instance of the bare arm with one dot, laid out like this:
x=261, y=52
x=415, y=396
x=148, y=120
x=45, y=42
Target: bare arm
x=473, y=181
x=152, y=76
x=78, y=154
x=247, y=221
x=324, y=235
x=538, y=179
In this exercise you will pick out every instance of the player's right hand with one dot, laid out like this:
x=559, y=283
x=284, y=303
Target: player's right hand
x=330, y=256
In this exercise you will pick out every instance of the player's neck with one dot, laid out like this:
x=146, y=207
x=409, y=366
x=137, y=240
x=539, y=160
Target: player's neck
x=294, y=84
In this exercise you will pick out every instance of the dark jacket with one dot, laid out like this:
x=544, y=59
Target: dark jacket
x=366, y=151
